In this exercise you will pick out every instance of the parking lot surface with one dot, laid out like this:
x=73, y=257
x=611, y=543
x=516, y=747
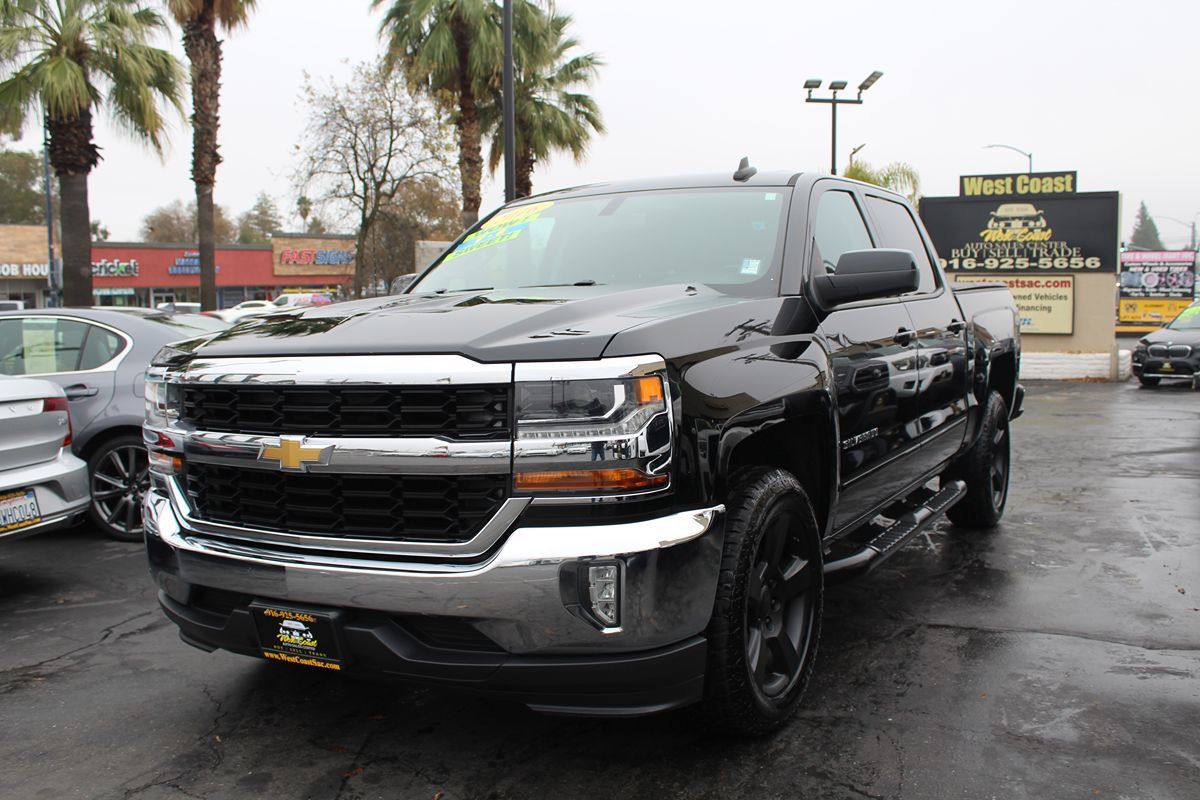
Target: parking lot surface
x=1057, y=656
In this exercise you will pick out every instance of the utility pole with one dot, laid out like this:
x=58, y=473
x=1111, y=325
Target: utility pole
x=834, y=101
x=52, y=275
x=509, y=109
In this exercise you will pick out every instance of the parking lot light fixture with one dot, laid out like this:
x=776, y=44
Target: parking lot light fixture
x=834, y=101
x=1015, y=150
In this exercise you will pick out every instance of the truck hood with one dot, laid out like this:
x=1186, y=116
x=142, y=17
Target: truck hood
x=561, y=323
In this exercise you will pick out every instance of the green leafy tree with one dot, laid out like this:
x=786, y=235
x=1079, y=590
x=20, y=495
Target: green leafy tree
x=59, y=61
x=453, y=49
x=1145, y=232
x=200, y=20
x=256, y=225
x=22, y=196
x=365, y=140
x=176, y=223
x=897, y=176
x=99, y=231
x=551, y=114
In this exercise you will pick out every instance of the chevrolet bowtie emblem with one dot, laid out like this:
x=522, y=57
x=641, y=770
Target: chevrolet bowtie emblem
x=292, y=455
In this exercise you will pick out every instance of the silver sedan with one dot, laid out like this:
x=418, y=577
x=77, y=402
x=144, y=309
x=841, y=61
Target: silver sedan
x=42, y=484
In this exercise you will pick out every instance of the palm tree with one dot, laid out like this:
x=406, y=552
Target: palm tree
x=453, y=50
x=56, y=57
x=550, y=115
x=199, y=20
x=897, y=176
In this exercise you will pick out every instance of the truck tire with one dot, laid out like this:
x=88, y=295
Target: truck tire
x=119, y=474
x=985, y=468
x=767, y=618
x=1148, y=381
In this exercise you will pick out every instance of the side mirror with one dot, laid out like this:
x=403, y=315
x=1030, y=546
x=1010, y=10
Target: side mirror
x=866, y=275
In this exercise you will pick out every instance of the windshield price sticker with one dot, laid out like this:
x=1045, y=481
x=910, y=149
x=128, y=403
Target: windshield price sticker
x=503, y=227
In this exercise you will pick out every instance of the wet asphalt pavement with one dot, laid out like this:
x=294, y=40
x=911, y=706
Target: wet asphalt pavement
x=1055, y=657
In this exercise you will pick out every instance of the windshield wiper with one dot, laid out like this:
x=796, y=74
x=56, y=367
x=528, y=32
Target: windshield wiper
x=478, y=289
x=588, y=282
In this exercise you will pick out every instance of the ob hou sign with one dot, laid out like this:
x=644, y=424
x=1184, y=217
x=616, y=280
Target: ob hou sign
x=1053, y=246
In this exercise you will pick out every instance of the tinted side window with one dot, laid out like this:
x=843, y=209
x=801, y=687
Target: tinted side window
x=898, y=230
x=839, y=229
x=40, y=345
x=99, y=347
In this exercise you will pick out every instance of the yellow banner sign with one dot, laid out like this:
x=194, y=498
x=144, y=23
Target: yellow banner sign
x=1044, y=304
x=1150, y=311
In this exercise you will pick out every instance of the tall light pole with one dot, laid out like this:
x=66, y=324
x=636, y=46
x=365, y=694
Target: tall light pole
x=834, y=101
x=52, y=278
x=510, y=109
x=1015, y=150
x=1191, y=225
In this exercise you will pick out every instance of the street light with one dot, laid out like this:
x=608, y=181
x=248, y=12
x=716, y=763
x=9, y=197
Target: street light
x=1191, y=225
x=508, y=110
x=1015, y=150
x=834, y=101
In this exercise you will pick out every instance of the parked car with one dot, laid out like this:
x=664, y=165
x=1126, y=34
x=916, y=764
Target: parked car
x=178, y=308
x=99, y=357
x=300, y=300
x=12, y=305
x=42, y=484
x=599, y=457
x=1172, y=353
x=248, y=308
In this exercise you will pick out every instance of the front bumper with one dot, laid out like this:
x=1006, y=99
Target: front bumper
x=60, y=486
x=524, y=601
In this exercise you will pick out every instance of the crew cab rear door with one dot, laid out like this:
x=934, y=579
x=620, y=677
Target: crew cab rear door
x=872, y=349
x=943, y=369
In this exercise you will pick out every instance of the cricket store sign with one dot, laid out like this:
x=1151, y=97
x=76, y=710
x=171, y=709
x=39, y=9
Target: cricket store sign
x=115, y=268
x=1071, y=233
x=1155, y=285
x=1045, y=303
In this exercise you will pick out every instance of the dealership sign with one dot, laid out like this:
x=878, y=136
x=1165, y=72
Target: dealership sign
x=1023, y=184
x=1069, y=233
x=1045, y=303
x=1155, y=285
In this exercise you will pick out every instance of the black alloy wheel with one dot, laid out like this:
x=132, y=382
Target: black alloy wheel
x=780, y=604
x=986, y=469
x=119, y=473
x=767, y=616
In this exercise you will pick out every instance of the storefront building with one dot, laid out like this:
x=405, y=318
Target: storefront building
x=145, y=275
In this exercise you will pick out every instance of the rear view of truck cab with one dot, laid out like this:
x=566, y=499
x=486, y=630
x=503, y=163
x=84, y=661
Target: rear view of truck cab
x=588, y=461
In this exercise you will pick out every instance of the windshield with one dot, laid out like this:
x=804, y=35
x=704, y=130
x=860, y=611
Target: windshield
x=728, y=239
x=1188, y=319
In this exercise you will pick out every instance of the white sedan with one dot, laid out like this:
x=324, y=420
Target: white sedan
x=249, y=308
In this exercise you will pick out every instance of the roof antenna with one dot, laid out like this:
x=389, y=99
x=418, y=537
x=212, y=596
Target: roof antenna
x=744, y=171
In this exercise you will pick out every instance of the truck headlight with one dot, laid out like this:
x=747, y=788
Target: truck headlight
x=163, y=401
x=593, y=436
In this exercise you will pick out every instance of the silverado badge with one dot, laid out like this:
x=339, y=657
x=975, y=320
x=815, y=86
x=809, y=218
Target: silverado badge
x=292, y=455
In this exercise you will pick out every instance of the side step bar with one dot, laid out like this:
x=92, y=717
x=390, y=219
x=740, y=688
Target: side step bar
x=887, y=540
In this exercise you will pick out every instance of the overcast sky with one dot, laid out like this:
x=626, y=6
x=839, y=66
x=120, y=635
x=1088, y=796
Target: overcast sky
x=1105, y=88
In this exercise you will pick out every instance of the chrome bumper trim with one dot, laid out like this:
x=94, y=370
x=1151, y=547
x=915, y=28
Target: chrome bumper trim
x=670, y=567
x=345, y=454
x=251, y=538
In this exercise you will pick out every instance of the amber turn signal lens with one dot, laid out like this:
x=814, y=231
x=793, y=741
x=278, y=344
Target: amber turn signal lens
x=648, y=390
x=577, y=480
x=165, y=463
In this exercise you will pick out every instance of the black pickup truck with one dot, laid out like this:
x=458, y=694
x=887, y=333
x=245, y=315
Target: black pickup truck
x=601, y=457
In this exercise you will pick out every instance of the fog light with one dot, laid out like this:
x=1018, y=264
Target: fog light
x=604, y=592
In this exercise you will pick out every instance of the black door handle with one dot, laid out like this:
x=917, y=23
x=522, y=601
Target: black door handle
x=904, y=337
x=956, y=326
x=80, y=391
